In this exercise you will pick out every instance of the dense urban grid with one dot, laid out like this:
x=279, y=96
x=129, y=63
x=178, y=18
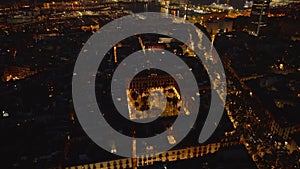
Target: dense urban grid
x=257, y=41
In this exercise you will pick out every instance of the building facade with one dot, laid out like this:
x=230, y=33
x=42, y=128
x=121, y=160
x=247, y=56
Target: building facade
x=259, y=15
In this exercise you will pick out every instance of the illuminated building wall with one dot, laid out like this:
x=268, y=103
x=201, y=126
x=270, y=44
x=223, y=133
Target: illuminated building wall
x=218, y=26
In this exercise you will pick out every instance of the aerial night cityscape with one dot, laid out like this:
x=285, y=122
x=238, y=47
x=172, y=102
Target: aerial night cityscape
x=257, y=43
